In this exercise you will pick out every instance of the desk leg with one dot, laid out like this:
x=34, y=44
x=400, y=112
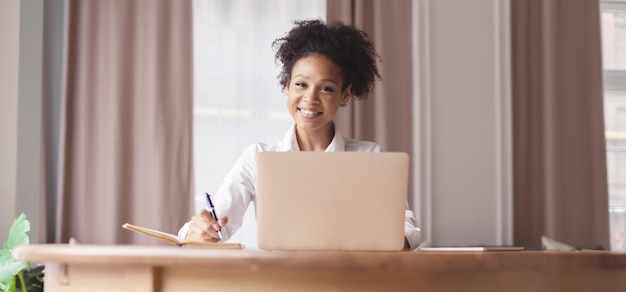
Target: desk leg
x=140, y=279
x=55, y=275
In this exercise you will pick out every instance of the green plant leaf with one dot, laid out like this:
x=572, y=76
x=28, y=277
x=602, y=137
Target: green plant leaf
x=12, y=285
x=9, y=267
x=17, y=233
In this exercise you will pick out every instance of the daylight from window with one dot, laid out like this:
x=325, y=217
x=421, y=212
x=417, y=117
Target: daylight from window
x=614, y=61
x=237, y=98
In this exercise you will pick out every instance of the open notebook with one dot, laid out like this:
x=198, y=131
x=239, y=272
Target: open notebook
x=173, y=239
x=331, y=201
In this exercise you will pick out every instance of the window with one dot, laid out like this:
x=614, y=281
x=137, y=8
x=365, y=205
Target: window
x=613, y=17
x=237, y=98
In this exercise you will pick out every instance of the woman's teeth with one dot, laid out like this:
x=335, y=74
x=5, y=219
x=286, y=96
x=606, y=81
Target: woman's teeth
x=308, y=112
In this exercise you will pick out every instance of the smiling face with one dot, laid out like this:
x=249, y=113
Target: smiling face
x=314, y=94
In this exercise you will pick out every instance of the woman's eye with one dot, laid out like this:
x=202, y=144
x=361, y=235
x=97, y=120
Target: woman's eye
x=327, y=89
x=300, y=84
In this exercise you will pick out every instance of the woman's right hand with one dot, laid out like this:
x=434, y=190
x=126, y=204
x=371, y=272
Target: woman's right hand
x=204, y=228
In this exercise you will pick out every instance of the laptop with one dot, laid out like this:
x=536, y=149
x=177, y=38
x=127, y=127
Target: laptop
x=352, y=201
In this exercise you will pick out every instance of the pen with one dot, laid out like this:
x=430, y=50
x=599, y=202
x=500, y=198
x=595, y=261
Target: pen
x=212, y=211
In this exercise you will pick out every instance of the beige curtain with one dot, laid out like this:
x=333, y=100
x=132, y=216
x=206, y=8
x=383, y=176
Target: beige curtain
x=560, y=183
x=386, y=116
x=126, y=128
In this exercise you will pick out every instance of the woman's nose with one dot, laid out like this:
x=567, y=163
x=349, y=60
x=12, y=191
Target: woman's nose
x=311, y=97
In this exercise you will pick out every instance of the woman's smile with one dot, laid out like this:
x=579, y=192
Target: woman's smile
x=309, y=113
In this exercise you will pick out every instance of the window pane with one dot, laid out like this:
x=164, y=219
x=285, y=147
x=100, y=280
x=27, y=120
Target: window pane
x=615, y=127
x=613, y=15
x=614, y=39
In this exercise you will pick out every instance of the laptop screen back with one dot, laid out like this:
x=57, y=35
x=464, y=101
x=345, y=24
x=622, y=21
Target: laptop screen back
x=331, y=200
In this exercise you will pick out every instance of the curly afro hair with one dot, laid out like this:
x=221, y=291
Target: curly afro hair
x=344, y=45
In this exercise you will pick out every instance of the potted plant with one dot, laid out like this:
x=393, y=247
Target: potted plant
x=18, y=275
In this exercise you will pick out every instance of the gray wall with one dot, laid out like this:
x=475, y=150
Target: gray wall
x=463, y=121
x=21, y=48
x=29, y=115
x=9, y=56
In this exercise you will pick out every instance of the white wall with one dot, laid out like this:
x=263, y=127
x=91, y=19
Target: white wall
x=21, y=40
x=29, y=114
x=463, y=121
x=9, y=56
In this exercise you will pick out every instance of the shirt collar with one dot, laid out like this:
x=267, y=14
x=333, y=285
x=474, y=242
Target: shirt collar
x=338, y=144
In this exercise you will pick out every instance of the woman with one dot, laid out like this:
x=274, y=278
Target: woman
x=323, y=67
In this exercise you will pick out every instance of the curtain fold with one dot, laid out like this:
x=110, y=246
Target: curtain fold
x=386, y=117
x=560, y=182
x=126, y=120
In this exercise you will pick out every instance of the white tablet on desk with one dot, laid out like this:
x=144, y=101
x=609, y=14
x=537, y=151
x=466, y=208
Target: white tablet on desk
x=473, y=248
x=331, y=200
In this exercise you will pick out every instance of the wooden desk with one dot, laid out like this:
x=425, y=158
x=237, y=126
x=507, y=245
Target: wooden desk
x=141, y=268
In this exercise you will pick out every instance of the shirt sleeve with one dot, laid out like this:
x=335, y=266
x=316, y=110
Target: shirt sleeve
x=234, y=194
x=412, y=233
x=182, y=232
